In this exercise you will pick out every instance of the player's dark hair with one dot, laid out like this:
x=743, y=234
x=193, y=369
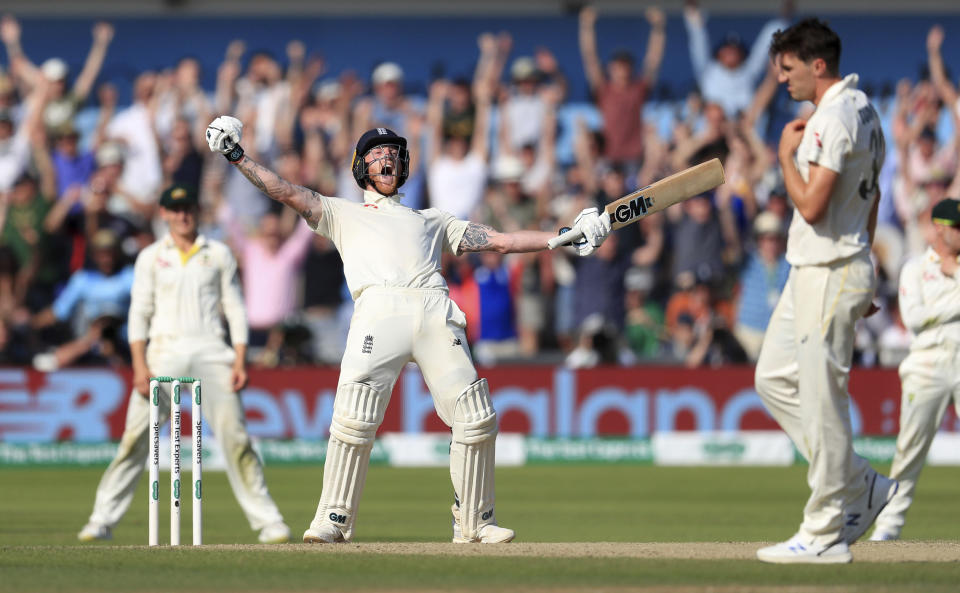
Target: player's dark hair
x=808, y=40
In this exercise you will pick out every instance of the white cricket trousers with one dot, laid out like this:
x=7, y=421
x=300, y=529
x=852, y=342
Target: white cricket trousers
x=391, y=327
x=802, y=375
x=210, y=360
x=930, y=380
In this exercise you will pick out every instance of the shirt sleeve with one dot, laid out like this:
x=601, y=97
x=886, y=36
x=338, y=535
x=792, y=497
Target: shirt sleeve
x=141, y=297
x=830, y=144
x=63, y=306
x=453, y=230
x=916, y=314
x=232, y=299
x=699, y=54
x=329, y=220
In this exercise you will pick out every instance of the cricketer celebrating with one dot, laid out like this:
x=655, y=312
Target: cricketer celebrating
x=180, y=284
x=391, y=259
x=930, y=308
x=830, y=165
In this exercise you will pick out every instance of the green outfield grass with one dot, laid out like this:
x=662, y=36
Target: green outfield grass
x=42, y=510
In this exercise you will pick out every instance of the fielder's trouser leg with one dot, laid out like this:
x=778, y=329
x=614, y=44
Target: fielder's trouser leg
x=464, y=404
x=926, y=378
x=832, y=299
x=378, y=346
x=116, y=488
x=223, y=412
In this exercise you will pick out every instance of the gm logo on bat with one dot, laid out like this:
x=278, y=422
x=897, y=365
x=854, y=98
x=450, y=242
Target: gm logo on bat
x=635, y=208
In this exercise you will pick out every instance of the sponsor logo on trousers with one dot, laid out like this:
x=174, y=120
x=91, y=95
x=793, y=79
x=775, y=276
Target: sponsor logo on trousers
x=486, y=515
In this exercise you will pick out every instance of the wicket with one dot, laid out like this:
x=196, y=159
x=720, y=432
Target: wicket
x=195, y=472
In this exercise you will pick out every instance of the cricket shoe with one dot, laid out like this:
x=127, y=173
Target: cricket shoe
x=795, y=551
x=93, y=532
x=880, y=535
x=861, y=513
x=325, y=533
x=488, y=534
x=275, y=533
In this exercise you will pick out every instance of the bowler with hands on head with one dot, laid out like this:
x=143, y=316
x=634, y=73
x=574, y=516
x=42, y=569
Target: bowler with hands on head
x=180, y=284
x=391, y=259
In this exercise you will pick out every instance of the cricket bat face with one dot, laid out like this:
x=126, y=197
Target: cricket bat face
x=664, y=193
x=654, y=198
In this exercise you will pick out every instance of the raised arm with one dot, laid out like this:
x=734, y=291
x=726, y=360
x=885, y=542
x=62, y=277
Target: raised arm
x=697, y=39
x=480, y=237
x=938, y=73
x=102, y=35
x=655, y=43
x=588, y=48
x=223, y=136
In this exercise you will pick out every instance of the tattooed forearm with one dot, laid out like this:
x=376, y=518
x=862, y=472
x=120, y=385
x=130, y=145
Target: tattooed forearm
x=305, y=201
x=476, y=238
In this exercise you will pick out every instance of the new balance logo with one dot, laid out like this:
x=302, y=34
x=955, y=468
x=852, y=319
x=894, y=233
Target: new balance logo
x=341, y=519
x=457, y=342
x=367, y=345
x=853, y=519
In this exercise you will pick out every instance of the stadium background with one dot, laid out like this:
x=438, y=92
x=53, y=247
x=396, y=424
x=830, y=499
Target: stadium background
x=66, y=416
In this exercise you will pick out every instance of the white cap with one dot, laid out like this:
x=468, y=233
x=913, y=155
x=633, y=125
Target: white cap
x=767, y=223
x=54, y=69
x=523, y=68
x=328, y=90
x=507, y=168
x=110, y=153
x=387, y=72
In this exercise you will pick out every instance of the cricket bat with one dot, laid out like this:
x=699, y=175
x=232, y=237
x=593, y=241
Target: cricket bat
x=654, y=198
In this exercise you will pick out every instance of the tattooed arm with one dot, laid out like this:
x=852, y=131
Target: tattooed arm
x=305, y=201
x=480, y=237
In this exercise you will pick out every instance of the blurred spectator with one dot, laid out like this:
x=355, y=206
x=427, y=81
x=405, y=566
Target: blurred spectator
x=599, y=303
x=64, y=103
x=324, y=305
x=132, y=128
x=644, y=329
x=698, y=240
x=72, y=166
x=730, y=76
x=762, y=280
x=23, y=212
x=497, y=332
x=619, y=94
x=389, y=106
x=96, y=301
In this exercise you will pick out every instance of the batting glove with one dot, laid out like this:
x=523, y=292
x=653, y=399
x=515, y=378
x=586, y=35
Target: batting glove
x=595, y=228
x=223, y=136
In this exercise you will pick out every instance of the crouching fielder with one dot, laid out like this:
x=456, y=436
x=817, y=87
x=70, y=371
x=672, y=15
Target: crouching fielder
x=930, y=308
x=391, y=259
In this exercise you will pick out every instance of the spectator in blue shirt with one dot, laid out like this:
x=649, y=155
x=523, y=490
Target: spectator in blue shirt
x=762, y=280
x=96, y=301
x=730, y=77
x=498, y=330
x=72, y=166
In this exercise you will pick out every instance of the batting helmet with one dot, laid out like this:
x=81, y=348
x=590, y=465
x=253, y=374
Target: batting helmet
x=372, y=139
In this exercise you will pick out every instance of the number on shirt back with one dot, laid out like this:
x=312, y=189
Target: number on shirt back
x=870, y=187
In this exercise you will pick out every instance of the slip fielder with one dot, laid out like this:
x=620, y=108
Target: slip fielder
x=830, y=165
x=930, y=308
x=180, y=284
x=391, y=259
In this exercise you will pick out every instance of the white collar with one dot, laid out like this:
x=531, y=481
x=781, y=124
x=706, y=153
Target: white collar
x=850, y=81
x=372, y=197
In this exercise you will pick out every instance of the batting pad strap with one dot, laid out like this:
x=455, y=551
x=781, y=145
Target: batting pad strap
x=474, y=419
x=357, y=413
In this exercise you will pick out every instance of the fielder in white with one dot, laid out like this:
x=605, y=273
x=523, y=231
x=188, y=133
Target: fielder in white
x=930, y=375
x=180, y=284
x=830, y=165
x=391, y=259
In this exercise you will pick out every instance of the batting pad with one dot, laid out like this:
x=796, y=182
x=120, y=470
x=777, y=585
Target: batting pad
x=472, y=455
x=357, y=413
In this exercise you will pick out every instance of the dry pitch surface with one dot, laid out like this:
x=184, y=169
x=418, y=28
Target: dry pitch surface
x=882, y=552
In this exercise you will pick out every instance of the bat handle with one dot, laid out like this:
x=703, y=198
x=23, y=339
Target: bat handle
x=565, y=237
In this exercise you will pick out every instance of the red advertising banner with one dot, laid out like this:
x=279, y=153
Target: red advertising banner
x=88, y=405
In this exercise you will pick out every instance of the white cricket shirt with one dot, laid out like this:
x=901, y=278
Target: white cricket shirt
x=929, y=302
x=843, y=135
x=178, y=294
x=384, y=243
